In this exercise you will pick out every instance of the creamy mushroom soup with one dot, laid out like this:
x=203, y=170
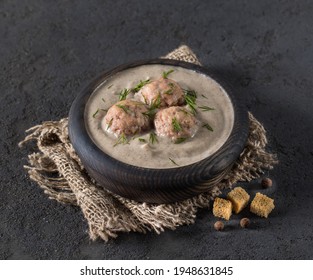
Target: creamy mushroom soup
x=212, y=108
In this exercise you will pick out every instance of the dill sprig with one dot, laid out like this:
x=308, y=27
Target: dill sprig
x=173, y=161
x=166, y=73
x=140, y=85
x=191, y=103
x=205, y=108
x=102, y=99
x=142, y=140
x=153, y=138
x=144, y=98
x=190, y=98
x=176, y=125
x=170, y=90
x=150, y=113
x=191, y=93
x=110, y=123
x=186, y=112
x=123, y=94
x=95, y=113
x=124, y=108
x=204, y=96
x=122, y=139
x=180, y=140
x=207, y=126
x=154, y=106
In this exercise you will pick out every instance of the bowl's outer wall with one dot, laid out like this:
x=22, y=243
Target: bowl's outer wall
x=155, y=185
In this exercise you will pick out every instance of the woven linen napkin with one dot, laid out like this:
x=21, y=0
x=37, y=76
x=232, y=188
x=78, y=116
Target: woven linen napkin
x=57, y=169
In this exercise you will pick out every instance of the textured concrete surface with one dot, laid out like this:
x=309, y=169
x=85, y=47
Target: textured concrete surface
x=50, y=49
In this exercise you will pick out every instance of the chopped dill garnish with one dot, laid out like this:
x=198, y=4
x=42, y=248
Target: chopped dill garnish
x=186, y=112
x=144, y=98
x=123, y=94
x=153, y=138
x=190, y=98
x=176, y=125
x=204, y=96
x=104, y=110
x=165, y=74
x=150, y=113
x=153, y=107
x=170, y=90
x=123, y=107
x=191, y=103
x=180, y=140
x=205, y=108
x=140, y=85
x=155, y=104
x=142, y=140
x=110, y=123
x=122, y=139
x=190, y=93
x=173, y=161
x=95, y=113
x=102, y=99
x=207, y=126
x=110, y=86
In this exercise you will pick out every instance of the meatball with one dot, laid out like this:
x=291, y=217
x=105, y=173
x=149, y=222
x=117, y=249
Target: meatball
x=127, y=117
x=176, y=123
x=164, y=91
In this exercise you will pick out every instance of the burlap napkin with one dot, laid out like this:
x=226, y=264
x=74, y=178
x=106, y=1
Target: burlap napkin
x=57, y=169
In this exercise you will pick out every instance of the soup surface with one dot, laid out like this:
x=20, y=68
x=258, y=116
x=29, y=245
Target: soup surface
x=159, y=152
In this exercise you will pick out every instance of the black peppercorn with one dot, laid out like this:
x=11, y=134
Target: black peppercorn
x=266, y=183
x=219, y=225
x=244, y=222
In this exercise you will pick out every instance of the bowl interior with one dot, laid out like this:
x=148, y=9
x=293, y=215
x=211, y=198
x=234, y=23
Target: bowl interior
x=214, y=112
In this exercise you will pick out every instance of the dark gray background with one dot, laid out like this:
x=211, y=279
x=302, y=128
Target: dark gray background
x=49, y=50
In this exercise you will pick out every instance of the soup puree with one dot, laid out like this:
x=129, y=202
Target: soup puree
x=162, y=153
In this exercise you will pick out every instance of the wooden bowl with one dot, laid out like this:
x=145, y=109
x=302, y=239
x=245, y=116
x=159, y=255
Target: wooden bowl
x=156, y=185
